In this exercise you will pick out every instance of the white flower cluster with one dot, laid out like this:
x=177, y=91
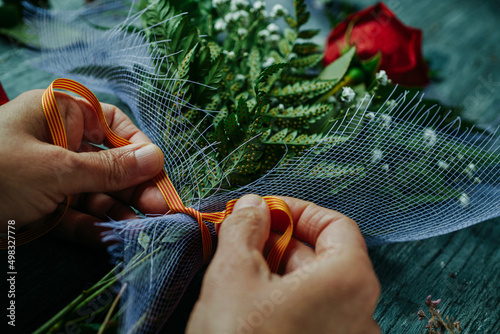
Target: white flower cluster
x=236, y=16
x=229, y=54
x=470, y=170
x=239, y=4
x=242, y=32
x=347, y=94
x=430, y=137
x=370, y=115
x=270, y=34
x=218, y=3
x=386, y=121
x=377, y=155
x=464, y=200
x=278, y=11
x=259, y=5
x=273, y=28
x=443, y=164
x=381, y=77
x=220, y=25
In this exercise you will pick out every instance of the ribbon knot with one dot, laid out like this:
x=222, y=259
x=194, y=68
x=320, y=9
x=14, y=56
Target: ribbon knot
x=279, y=209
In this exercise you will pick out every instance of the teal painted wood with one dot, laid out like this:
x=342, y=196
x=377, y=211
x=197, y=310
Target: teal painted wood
x=462, y=268
x=462, y=36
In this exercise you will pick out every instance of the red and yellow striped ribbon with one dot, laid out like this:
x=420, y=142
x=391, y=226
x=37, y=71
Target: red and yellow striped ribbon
x=279, y=209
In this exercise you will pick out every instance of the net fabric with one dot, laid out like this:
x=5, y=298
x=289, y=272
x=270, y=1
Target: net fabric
x=365, y=168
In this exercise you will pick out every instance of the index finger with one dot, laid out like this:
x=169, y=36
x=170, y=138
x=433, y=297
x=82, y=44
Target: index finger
x=325, y=229
x=118, y=122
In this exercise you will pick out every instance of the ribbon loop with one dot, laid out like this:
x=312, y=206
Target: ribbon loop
x=56, y=126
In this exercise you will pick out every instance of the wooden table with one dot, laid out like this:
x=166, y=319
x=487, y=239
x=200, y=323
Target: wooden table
x=462, y=268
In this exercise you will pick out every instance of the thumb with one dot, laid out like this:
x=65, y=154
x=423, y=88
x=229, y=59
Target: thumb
x=114, y=169
x=242, y=236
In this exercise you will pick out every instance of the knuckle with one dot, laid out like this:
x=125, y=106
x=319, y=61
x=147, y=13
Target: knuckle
x=114, y=167
x=250, y=218
x=227, y=265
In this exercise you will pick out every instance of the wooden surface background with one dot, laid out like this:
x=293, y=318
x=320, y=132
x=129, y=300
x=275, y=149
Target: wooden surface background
x=463, y=268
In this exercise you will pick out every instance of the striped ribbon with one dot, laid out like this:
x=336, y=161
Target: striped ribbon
x=279, y=210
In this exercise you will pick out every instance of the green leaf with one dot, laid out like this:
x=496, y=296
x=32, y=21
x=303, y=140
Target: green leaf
x=292, y=23
x=242, y=112
x=265, y=74
x=303, y=18
x=370, y=66
x=309, y=118
x=290, y=35
x=215, y=50
x=144, y=240
x=302, y=92
x=305, y=48
x=231, y=125
x=307, y=61
x=337, y=69
x=183, y=68
x=307, y=34
x=284, y=47
x=255, y=64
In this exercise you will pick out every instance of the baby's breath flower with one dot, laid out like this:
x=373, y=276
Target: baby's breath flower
x=273, y=38
x=376, y=155
x=469, y=170
x=268, y=62
x=381, y=77
x=386, y=121
x=464, y=200
x=278, y=11
x=239, y=4
x=229, y=54
x=443, y=164
x=217, y=3
x=263, y=34
x=230, y=17
x=242, y=32
x=391, y=103
x=220, y=25
x=347, y=94
x=273, y=28
x=258, y=5
x=240, y=15
x=430, y=137
x=370, y=115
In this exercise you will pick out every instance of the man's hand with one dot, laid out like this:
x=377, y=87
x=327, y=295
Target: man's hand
x=36, y=176
x=330, y=288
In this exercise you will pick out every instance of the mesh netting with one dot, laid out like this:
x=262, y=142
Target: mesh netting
x=389, y=170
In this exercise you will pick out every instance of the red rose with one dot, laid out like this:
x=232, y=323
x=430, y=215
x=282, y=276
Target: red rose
x=376, y=29
x=3, y=97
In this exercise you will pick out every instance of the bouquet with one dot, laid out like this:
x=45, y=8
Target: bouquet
x=241, y=99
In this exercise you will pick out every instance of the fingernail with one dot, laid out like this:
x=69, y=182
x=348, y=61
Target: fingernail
x=149, y=159
x=246, y=201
